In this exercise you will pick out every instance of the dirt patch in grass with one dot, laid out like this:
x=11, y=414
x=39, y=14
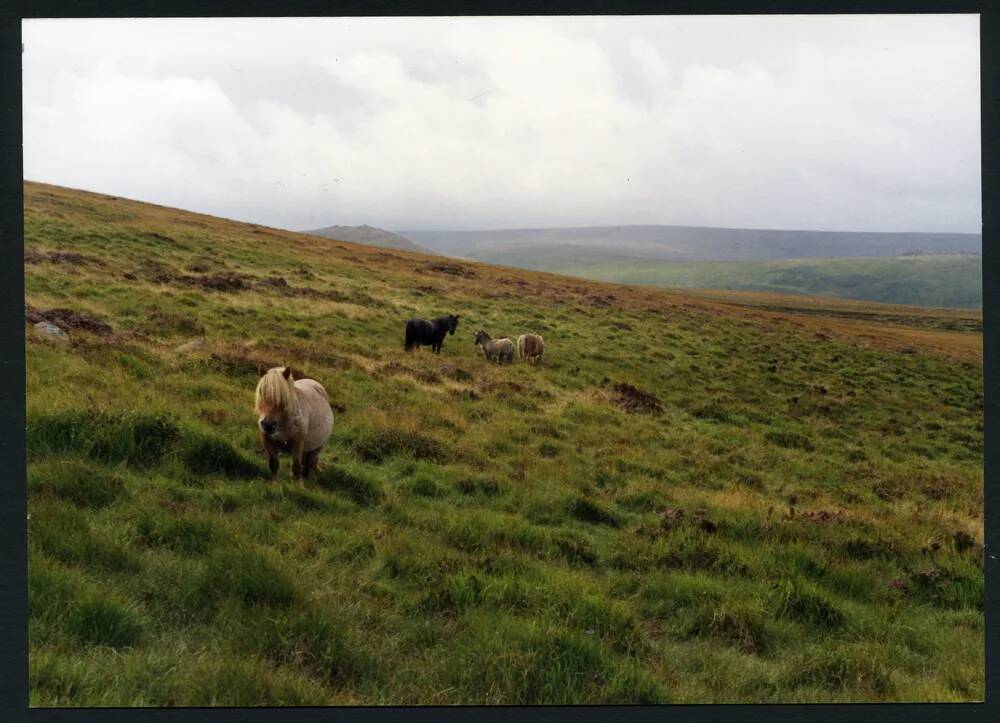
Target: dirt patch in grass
x=225, y=281
x=451, y=270
x=602, y=300
x=32, y=256
x=67, y=319
x=395, y=368
x=204, y=265
x=634, y=400
x=274, y=282
x=823, y=517
x=153, y=272
x=280, y=285
x=228, y=281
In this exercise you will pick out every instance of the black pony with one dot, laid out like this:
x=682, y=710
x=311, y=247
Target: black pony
x=420, y=332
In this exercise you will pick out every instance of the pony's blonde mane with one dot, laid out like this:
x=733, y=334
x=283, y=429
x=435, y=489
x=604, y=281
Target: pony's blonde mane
x=276, y=391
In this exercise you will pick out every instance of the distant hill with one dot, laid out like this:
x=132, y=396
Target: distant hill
x=939, y=280
x=538, y=248
x=370, y=236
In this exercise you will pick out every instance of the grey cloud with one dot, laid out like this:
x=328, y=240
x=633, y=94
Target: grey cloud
x=825, y=122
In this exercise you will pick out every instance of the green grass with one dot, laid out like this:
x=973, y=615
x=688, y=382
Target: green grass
x=482, y=534
x=941, y=280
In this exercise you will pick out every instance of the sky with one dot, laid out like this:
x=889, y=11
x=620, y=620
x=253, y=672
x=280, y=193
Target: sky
x=851, y=123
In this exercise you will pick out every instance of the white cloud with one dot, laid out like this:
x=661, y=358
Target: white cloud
x=862, y=123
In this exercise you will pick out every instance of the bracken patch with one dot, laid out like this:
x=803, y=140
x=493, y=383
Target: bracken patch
x=634, y=400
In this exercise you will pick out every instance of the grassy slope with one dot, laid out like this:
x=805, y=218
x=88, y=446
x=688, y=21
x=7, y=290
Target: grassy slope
x=930, y=280
x=483, y=534
x=369, y=236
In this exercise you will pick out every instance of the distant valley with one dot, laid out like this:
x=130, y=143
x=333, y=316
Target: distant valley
x=537, y=248
x=926, y=269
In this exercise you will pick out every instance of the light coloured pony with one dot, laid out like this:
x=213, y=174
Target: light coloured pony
x=495, y=350
x=530, y=347
x=293, y=417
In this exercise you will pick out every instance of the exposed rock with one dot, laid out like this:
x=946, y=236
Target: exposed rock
x=51, y=332
x=66, y=318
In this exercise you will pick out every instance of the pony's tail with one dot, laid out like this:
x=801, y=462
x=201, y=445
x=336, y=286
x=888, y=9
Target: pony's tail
x=520, y=348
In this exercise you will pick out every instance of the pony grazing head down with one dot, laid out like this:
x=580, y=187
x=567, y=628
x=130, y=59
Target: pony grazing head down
x=274, y=399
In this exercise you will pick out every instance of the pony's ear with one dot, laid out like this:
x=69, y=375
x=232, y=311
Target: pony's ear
x=261, y=369
x=286, y=372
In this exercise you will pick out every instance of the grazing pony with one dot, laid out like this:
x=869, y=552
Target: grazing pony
x=495, y=350
x=420, y=332
x=530, y=347
x=293, y=417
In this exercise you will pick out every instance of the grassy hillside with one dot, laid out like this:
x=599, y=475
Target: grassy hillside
x=954, y=280
x=689, y=500
x=368, y=235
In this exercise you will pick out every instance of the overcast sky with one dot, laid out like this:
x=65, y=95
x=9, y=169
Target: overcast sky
x=821, y=122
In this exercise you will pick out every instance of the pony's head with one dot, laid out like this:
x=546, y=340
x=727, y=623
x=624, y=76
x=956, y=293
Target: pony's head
x=274, y=398
x=481, y=337
x=452, y=323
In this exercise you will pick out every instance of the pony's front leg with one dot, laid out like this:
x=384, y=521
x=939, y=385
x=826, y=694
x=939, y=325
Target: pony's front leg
x=297, y=455
x=309, y=460
x=272, y=457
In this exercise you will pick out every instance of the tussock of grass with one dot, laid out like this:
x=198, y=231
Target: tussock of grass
x=360, y=488
x=741, y=625
x=207, y=455
x=589, y=510
x=82, y=483
x=790, y=440
x=526, y=664
x=64, y=534
x=795, y=600
x=134, y=438
x=486, y=487
x=377, y=445
x=186, y=536
x=839, y=667
x=245, y=576
x=103, y=621
x=310, y=640
x=713, y=413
